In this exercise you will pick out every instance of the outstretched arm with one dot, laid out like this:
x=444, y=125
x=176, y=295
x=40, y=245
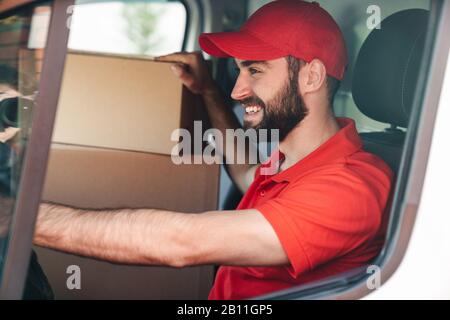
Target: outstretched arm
x=156, y=237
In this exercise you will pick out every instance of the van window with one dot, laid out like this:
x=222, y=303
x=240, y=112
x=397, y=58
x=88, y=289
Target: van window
x=389, y=130
x=22, y=42
x=127, y=27
x=112, y=140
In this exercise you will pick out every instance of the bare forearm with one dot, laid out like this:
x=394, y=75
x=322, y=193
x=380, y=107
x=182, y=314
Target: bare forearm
x=131, y=236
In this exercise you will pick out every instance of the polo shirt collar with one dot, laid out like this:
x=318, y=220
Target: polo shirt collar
x=344, y=143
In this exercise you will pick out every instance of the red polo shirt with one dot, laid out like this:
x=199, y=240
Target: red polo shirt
x=327, y=211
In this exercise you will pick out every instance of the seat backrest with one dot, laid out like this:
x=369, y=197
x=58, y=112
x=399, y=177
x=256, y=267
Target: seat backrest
x=385, y=77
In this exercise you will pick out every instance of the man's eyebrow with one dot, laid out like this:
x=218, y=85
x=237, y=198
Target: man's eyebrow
x=248, y=63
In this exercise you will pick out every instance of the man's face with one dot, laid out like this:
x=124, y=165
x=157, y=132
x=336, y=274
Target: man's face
x=268, y=91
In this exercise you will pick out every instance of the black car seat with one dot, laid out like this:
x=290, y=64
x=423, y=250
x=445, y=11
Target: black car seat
x=385, y=77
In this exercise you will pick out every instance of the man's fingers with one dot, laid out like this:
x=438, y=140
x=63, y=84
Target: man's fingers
x=177, y=69
x=180, y=71
x=183, y=57
x=174, y=57
x=185, y=67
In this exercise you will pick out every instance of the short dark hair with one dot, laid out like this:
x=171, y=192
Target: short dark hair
x=333, y=84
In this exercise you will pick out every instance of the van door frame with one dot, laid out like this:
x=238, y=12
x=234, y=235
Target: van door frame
x=35, y=161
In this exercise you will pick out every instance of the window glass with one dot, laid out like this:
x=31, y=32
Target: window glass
x=115, y=102
x=128, y=27
x=22, y=41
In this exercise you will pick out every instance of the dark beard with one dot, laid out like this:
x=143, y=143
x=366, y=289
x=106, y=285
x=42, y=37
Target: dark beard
x=284, y=112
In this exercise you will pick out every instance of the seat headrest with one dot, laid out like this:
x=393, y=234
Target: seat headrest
x=387, y=67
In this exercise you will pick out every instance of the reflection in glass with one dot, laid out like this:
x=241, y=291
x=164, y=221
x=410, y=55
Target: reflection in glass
x=22, y=42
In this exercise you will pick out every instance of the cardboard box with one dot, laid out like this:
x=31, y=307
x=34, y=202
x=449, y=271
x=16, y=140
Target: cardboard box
x=145, y=106
x=98, y=178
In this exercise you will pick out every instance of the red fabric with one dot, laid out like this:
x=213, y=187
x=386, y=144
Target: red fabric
x=281, y=28
x=327, y=211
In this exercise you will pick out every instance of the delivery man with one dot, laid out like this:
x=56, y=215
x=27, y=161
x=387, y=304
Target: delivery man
x=319, y=213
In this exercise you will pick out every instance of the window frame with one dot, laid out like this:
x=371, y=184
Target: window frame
x=411, y=176
x=194, y=23
x=35, y=160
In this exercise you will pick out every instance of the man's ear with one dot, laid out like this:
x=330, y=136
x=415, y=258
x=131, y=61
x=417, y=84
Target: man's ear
x=312, y=77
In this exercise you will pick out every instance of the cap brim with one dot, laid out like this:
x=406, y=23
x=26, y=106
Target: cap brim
x=240, y=45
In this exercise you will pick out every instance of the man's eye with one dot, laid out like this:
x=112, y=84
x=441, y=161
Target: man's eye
x=253, y=71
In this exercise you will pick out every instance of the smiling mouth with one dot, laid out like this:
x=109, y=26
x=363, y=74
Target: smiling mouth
x=252, y=109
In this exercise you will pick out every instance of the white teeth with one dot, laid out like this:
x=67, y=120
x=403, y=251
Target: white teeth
x=252, y=109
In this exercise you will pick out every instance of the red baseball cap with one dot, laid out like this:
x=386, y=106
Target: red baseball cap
x=281, y=28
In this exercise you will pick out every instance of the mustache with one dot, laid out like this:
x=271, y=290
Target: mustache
x=251, y=101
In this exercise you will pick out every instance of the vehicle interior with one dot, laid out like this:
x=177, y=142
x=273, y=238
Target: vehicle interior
x=117, y=111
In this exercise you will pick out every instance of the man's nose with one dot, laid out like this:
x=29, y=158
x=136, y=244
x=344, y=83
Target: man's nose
x=242, y=89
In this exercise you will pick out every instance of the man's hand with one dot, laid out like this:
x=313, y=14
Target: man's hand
x=192, y=70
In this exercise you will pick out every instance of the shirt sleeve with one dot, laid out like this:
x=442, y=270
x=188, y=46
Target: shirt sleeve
x=323, y=217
